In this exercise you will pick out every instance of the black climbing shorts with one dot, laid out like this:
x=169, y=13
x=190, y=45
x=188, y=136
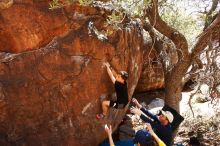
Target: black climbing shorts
x=115, y=104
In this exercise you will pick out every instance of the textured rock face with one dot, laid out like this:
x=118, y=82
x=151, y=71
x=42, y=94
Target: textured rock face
x=26, y=25
x=152, y=76
x=4, y=4
x=50, y=95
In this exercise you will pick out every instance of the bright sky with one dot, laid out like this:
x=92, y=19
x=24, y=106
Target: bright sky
x=193, y=7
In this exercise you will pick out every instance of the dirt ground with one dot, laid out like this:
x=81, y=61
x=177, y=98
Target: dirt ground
x=205, y=124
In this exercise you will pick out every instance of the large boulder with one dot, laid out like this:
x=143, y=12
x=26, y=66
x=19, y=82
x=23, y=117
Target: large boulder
x=51, y=90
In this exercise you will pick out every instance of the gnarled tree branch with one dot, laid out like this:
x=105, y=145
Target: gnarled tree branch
x=210, y=34
x=178, y=39
x=175, y=76
x=209, y=14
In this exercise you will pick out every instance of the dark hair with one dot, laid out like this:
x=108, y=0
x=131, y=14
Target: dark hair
x=143, y=137
x=124, y=75
x=194, y=141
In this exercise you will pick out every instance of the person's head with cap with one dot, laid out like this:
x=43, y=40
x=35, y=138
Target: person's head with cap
x=143, y=137
x=122, y=76
x=166, y=117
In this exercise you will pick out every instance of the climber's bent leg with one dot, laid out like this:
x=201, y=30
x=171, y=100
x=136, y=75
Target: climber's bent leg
x=105, y=106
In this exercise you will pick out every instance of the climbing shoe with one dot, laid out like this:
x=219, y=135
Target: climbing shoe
x=100, y=116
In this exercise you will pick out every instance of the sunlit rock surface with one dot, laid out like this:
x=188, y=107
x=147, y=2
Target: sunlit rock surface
x=52, y=82
x=27, y=25
x=4, y=4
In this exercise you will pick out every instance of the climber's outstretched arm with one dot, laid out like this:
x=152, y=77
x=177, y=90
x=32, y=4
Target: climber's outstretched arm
x=110, y=72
